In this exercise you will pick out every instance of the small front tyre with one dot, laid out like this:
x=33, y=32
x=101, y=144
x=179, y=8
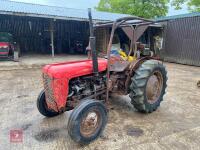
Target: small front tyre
x=42, y=106
x=87, y=121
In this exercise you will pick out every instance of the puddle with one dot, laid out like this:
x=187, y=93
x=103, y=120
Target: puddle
x=22, y=96
x=47, y=136
x=136, y=132
x=104, y=137
x=26, y=126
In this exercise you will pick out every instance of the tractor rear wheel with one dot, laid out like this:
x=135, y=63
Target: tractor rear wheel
x=87, y=121
x=148, y=86
x=42, y=106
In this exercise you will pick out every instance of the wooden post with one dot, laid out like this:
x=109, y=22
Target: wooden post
x=52, y=37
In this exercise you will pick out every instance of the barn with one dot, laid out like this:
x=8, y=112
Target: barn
x=42, y=29
x=182, y=38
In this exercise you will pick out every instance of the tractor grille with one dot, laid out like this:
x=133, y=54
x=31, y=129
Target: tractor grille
x=48, y=88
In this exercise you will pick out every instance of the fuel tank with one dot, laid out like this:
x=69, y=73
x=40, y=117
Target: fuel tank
x=73, y=69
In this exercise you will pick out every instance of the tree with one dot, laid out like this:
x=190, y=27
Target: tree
x=193, y=5
x=141, y=8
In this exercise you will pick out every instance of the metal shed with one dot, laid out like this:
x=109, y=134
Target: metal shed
x=182, y=38
x=48, y=29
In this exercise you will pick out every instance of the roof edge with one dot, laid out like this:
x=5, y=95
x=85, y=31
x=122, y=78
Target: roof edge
x=93, y=10
x=47, y=16
x=165, y=18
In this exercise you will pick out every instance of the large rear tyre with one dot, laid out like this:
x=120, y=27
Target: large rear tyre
x=87, y=121
x=148, y=86
x=42, y=106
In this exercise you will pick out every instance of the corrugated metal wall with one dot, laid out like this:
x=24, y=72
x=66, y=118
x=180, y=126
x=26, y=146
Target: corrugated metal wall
x=102, y=39
x=182, y=41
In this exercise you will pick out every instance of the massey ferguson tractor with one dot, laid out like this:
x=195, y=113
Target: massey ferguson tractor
x=85, y=86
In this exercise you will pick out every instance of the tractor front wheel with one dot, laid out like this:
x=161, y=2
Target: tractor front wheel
x=42, y=106
x=148, y=86
x=87, y=121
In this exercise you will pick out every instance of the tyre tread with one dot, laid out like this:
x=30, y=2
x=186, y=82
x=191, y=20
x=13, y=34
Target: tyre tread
x=138, y=85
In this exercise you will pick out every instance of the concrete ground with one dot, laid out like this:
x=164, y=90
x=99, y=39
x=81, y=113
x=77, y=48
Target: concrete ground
x=175, y=125
x=35, y=61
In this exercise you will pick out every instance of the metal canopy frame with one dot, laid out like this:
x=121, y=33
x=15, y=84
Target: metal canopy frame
x=134, y=27
x=133, y=20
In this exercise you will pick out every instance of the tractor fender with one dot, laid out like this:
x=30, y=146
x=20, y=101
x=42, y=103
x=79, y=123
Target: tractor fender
x=134, y=66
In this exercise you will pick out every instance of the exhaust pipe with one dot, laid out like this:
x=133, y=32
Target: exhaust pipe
x=92, y=41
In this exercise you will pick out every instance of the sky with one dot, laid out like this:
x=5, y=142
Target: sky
x=84, y=4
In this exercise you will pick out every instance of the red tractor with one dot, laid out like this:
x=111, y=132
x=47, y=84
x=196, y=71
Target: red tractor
x=85, y=86
x=6, y=45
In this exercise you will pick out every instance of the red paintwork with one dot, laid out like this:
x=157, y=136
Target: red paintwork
x=4, y=44
x=61, y=73
x=2, y=54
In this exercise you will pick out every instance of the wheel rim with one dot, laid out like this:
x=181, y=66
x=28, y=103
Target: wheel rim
x=154, y=87
x=90, y=123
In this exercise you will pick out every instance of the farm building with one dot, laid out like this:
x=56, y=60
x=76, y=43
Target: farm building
x=48, y=29
x=182, y=38
x=41, y=29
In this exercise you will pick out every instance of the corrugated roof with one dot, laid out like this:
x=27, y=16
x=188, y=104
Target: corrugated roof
x=178, y=16
x=36, y=10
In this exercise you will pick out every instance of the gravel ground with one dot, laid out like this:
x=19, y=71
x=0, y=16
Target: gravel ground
x=175, y=125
